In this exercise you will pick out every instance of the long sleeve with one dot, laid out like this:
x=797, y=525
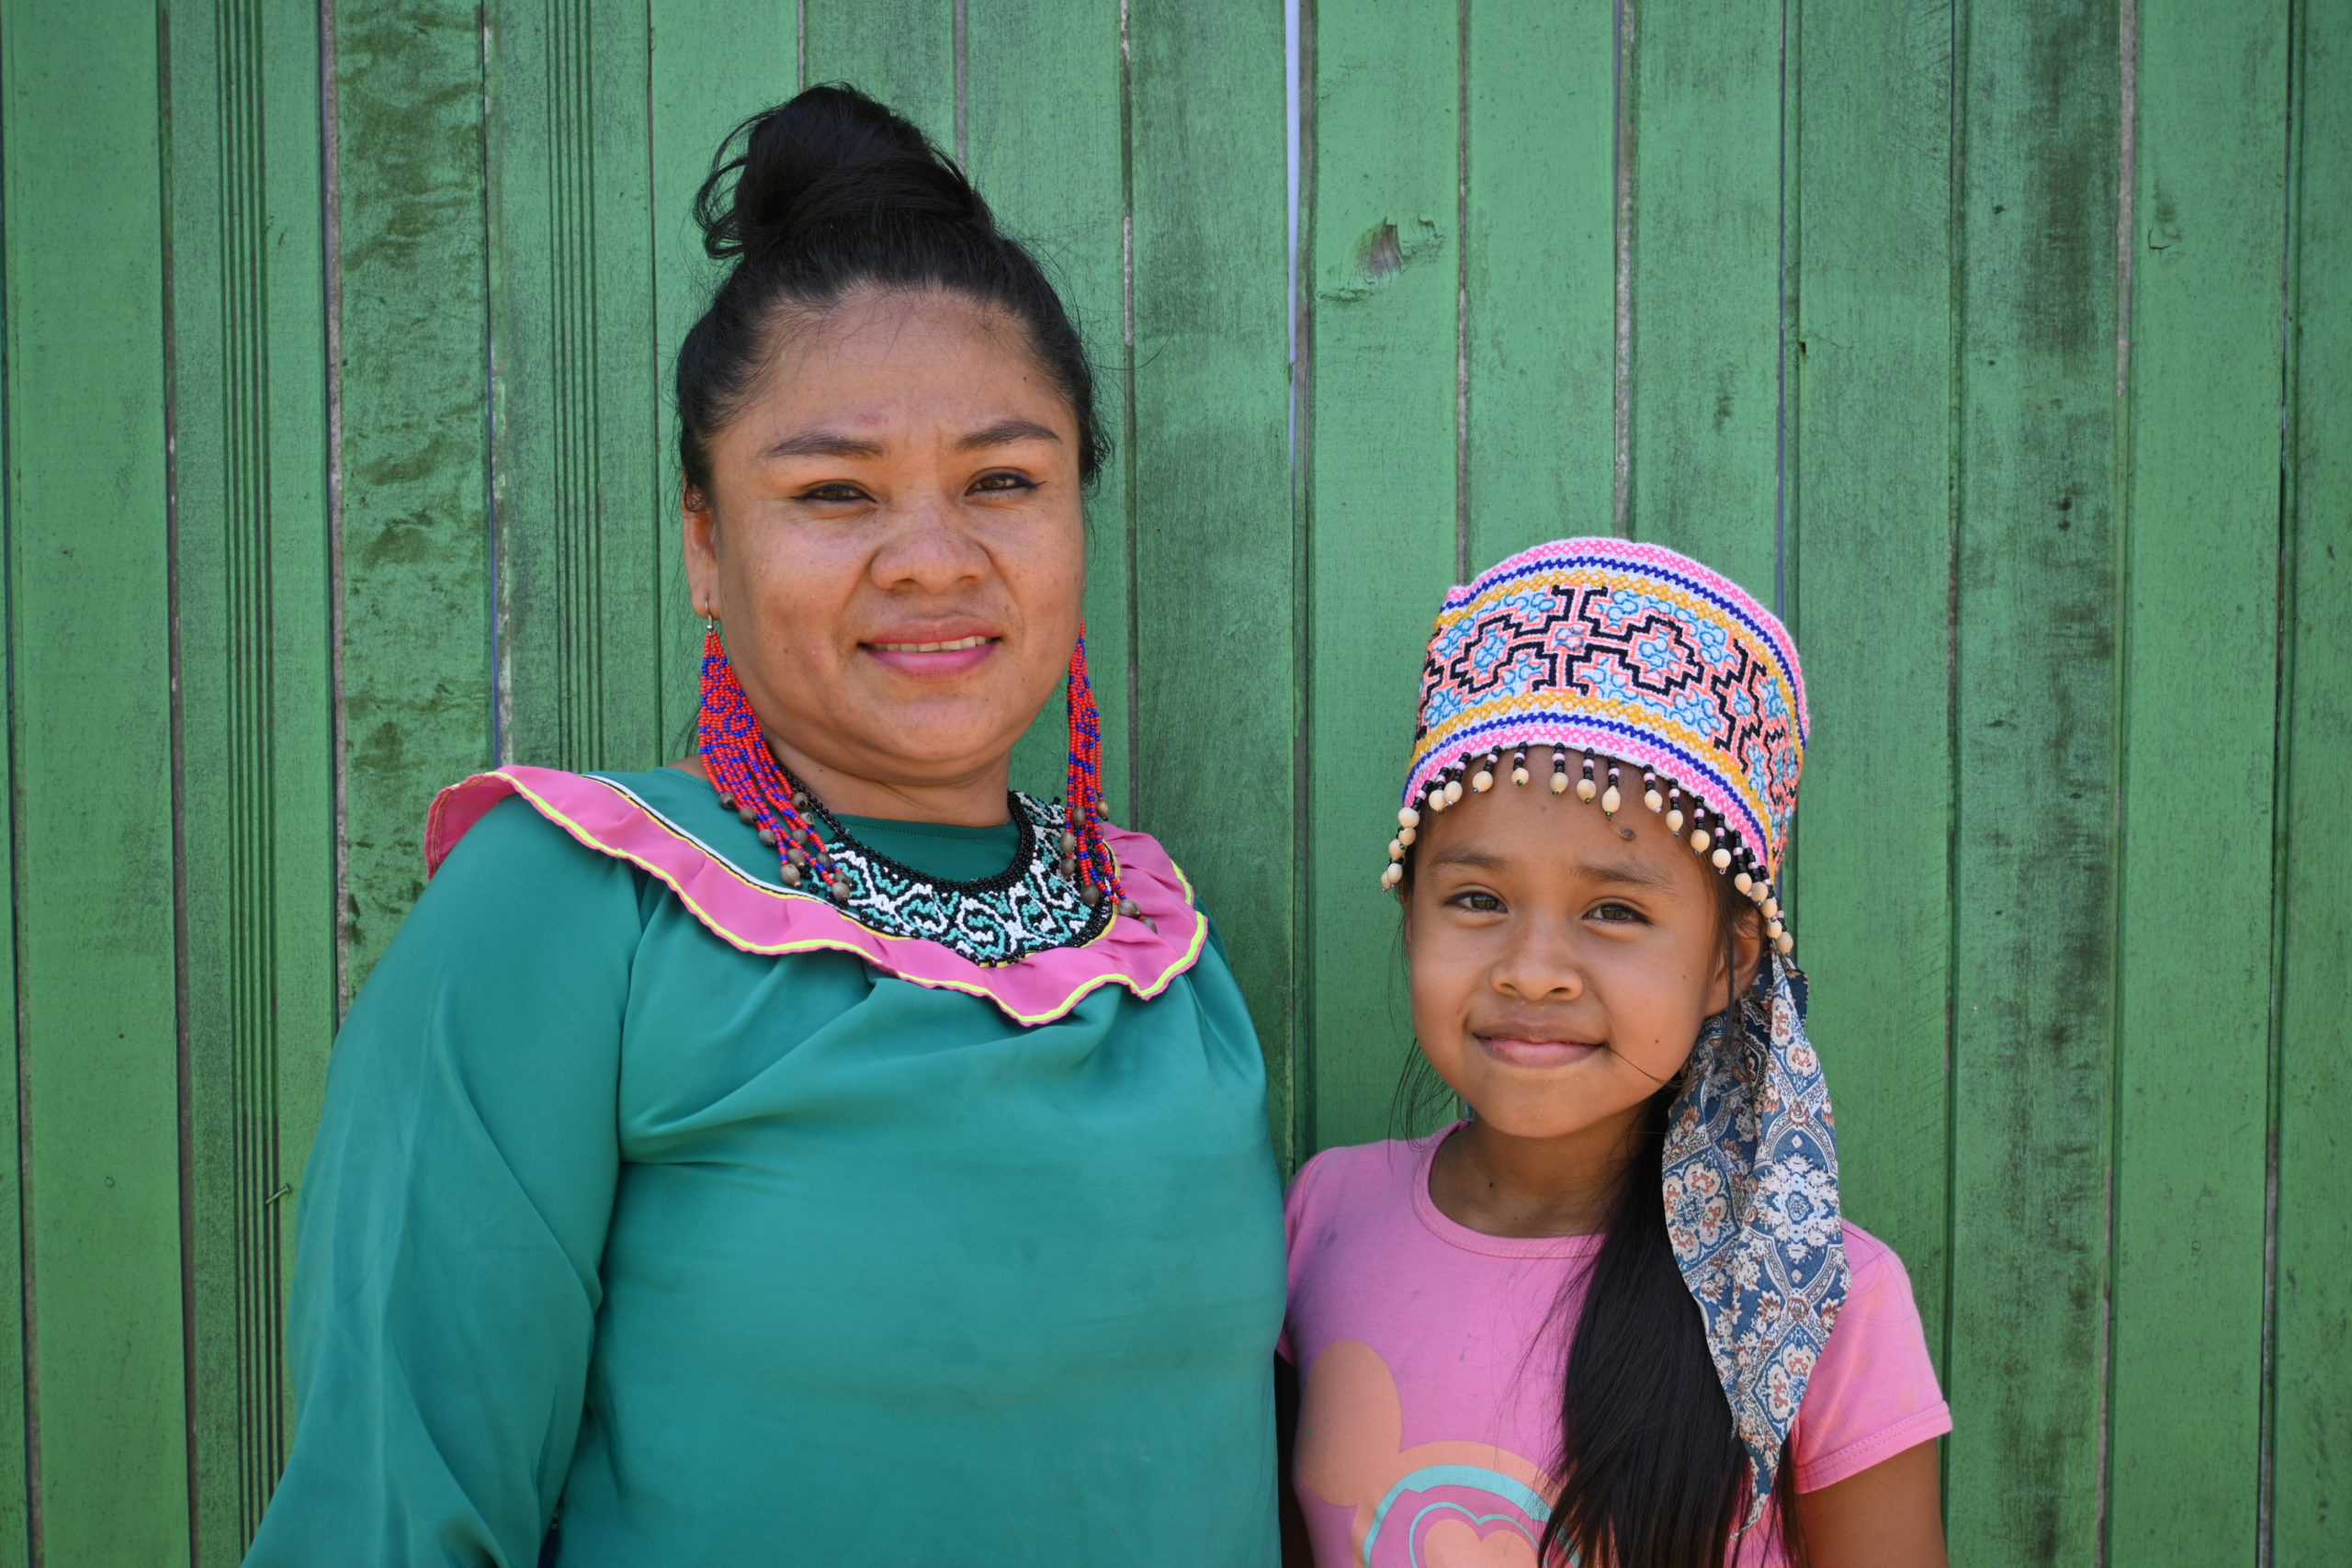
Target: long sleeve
x=453, y=1213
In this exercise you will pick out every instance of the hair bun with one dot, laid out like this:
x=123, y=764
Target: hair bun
x=831, y=156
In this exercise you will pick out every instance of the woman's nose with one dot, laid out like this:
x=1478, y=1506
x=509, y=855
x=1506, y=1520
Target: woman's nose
x=925, y=548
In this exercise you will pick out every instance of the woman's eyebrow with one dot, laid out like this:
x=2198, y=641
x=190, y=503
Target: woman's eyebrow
x=1004, y=431
x=823, y=444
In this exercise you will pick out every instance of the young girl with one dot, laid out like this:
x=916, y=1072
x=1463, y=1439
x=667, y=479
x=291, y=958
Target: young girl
x=1614, y=1317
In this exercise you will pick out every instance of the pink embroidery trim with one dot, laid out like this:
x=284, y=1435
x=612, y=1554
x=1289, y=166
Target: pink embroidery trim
x=751, y=917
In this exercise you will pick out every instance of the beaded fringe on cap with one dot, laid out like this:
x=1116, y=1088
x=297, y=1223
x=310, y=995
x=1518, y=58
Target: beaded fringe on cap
x=751, y=783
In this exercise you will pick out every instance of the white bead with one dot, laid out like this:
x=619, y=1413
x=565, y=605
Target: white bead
x=1674, y=822
x=1453, y=790
x=1559, y=783
x=1771, y=907
x=1392, y=876
x=1743, y=882
x=1722, y=857
x=1785, y=942
x=1395, y=849
x=1585, y=790
x=1519, y=775
x=1611, y=800
x=1407, y=835
x=1774, y=930
x=1437, y=799
x=1653, y=800
x=1482, y=781
x=1699, y=839
x=1408, y=817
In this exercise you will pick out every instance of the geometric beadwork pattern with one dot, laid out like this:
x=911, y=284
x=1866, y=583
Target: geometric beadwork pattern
x=1028, y=909
x=1626, y=650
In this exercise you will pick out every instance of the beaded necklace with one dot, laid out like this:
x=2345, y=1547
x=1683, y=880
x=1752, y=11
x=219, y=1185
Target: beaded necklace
x=1060, y=891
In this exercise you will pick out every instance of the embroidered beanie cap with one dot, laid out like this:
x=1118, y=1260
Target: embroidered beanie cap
x=1629, y=673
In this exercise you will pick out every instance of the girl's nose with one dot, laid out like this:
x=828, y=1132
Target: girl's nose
x=1536, y=966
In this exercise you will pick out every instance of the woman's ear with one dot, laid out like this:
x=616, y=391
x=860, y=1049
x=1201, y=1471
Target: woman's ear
x=701, y=542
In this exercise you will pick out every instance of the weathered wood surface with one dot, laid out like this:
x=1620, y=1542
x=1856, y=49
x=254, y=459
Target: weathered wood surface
x=340, y=463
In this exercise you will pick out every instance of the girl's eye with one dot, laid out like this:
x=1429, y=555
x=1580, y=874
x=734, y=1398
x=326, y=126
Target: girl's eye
x=1003, y=483
x=1480, y=902
x=837, y=491
x=1617, y=914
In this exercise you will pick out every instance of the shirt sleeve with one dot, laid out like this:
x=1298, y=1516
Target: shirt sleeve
x=1294, y=1204
x=1874, y=1392
x=453, y=1213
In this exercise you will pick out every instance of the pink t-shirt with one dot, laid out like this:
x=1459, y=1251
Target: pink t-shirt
x=1431, y=1364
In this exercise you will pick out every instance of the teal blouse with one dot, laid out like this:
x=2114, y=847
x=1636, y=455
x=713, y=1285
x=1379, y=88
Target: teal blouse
x=753, y=1259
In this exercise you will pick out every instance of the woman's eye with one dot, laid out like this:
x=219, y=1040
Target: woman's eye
x=839, y=491
x=1003, y=483
x=1617, y=913
x=1479, y=902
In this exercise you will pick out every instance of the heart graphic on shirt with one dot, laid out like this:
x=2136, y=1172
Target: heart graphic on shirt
x=1456, y=1543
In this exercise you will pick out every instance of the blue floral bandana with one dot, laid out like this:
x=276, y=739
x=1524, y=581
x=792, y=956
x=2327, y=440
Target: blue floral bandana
x=1752, y=1210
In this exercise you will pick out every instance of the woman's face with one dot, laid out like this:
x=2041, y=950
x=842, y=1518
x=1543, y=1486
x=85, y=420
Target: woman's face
x=894, y=545
x=1563, y=961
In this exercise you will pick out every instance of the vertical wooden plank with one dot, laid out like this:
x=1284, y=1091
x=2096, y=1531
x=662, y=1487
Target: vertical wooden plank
x=1381, y=534
x=2034, y=885
x=1703, y=119
x=1052, y=164
x=2311, y=1507
x=1870, y=578
x=712, y=63
x=1540, y=274
x=581, y=527
x=901, y=51
x=2200, y=619
x=1215, y=557
x=416, y=661
x=90, y=657
x=257, y=753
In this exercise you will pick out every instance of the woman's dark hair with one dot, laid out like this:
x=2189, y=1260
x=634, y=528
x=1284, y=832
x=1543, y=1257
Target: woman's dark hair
x=1653, y=1474
x=832, y=192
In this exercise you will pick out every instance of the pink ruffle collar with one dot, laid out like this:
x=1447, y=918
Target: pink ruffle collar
x=765, y=917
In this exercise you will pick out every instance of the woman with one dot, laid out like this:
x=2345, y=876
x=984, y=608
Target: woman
x=810, y=1154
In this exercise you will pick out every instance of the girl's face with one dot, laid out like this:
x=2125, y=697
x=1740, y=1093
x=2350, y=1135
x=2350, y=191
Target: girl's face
x=895, y=544
x=1562, y=961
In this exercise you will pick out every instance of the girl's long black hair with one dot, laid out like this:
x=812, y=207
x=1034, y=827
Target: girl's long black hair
x=1652, y=1472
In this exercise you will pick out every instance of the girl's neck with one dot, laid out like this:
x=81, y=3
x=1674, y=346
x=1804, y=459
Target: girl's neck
x=1496, y=1184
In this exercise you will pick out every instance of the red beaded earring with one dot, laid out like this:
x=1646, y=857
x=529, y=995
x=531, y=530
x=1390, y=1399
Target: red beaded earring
x=745, y=774
x=1082, y=837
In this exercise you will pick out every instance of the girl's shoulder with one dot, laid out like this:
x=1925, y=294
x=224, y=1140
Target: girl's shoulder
x=1359, y=1175
x=1870, y=1260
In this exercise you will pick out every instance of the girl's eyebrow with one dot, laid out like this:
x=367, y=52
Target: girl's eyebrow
x=1622, y=873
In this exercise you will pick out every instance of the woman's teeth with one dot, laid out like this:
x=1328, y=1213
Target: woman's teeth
x=957, y=647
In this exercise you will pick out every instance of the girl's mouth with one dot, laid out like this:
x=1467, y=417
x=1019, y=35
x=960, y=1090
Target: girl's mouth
x=1521, y=1052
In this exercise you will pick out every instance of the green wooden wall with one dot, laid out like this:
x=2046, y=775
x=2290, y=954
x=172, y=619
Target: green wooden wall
x=2008, y=348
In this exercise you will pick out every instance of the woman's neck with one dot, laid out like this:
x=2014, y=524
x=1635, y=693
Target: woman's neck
x=976, y=800
x=1499, y=1185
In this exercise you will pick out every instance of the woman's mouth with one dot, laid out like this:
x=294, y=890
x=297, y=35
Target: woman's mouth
x=940, y=656
x=1519, y=1053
